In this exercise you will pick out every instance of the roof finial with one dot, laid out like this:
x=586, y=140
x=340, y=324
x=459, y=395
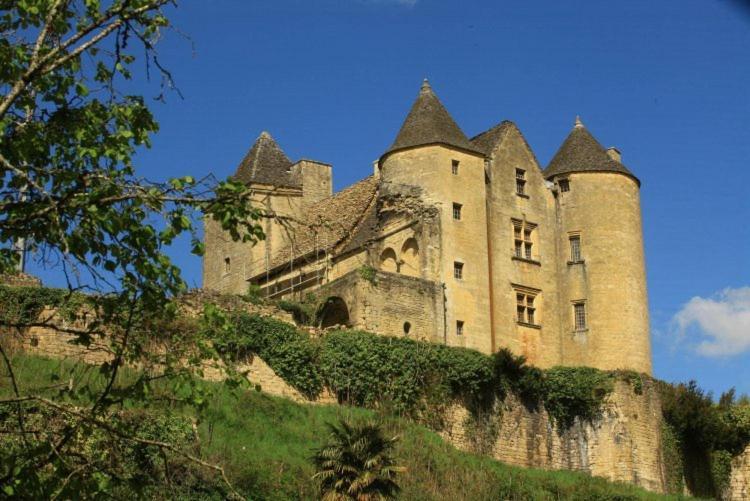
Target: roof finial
x=426, y=85
x=264, y=135
x=578, y=124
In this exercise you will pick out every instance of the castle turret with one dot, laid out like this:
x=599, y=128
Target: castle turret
x=432, y=154
x=603, y=300
x=277, y=188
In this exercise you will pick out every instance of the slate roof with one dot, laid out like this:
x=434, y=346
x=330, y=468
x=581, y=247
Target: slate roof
x=266, y=163
x=486, y=141
x=581, y=152
x=333, y=223
x=428, y=122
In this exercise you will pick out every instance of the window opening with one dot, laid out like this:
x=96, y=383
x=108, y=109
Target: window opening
x=579, y=310
x=520, y=182
x=457, y=211
x=575, y=249
x=458, y=270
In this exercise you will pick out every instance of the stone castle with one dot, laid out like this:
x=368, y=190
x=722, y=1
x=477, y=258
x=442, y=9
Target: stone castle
x=466, y=242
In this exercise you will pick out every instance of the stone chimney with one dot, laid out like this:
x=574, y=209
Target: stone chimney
x=614, y=154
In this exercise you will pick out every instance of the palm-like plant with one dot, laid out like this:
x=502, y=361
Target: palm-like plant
x=357, y=464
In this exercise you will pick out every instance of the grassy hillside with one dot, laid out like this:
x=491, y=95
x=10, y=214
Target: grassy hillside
x=265, y=445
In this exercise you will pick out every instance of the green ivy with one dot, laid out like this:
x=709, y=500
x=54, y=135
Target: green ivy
x=289, y=352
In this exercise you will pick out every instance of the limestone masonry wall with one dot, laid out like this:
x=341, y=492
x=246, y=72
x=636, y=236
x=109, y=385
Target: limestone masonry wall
x=739, y=481
x=624, y=445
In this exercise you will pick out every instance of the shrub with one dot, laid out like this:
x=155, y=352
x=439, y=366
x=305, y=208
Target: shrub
x=571, y=392
x=304, y=313
x=23, y=305
x=357, y=464
x=255, y=294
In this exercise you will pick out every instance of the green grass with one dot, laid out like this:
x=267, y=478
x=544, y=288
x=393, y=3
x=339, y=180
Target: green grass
x=265, y=445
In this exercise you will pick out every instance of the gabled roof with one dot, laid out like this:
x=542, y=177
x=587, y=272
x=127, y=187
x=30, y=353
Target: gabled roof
x=266, y=163
x=428, y=122
x=486, y=141
x=581, y=152
x=330, y=224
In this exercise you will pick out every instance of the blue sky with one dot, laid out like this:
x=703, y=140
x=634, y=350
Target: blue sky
x=667, y=82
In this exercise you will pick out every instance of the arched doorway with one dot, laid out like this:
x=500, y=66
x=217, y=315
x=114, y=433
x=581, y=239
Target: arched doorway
x=334, y=312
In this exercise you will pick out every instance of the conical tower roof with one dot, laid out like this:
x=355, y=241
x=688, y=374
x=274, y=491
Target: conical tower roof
x=265, y=163
x=581, y=152
x=428, y=122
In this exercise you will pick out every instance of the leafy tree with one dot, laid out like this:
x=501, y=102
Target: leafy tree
x=357, y=464
x=69, y=130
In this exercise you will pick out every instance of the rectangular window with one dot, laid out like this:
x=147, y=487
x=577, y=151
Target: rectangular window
x=579, y=311
x=458, y=270
x=523, y=239
x=575, y=249
x=459, y=328
x=520, y=182
x=457, y=211
x=564, y=185
x=525, y=309
x=454, y=167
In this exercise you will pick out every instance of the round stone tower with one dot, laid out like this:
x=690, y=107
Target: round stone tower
x=603, y=299
x=432, y=159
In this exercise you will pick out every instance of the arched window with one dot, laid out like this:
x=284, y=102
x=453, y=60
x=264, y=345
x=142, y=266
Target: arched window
x=407, y=328
x=389, y=261
x=410, y=258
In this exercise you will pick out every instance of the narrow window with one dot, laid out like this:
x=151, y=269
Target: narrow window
x=575, y=249
x=525, y=308
x=454, y=167
x=227, y=265
x=564, y=185
x=407, y=328
x=459, y=327
x=458, y=270
x=520, y=182
x=457, y=211
x=579, y=310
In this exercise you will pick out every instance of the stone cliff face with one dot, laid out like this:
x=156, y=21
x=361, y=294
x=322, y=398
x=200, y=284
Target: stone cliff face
x=623, y=445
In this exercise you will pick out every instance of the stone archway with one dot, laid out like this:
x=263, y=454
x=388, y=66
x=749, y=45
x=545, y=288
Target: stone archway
x=410, y=258
x=334, y=312
x=389, y=261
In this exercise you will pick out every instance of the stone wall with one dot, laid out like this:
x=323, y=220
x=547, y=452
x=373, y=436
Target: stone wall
x=624, y=445
x=739, y=482
x=388, y=302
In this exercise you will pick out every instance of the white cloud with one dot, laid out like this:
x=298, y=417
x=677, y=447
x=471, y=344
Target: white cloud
x=722, y=322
